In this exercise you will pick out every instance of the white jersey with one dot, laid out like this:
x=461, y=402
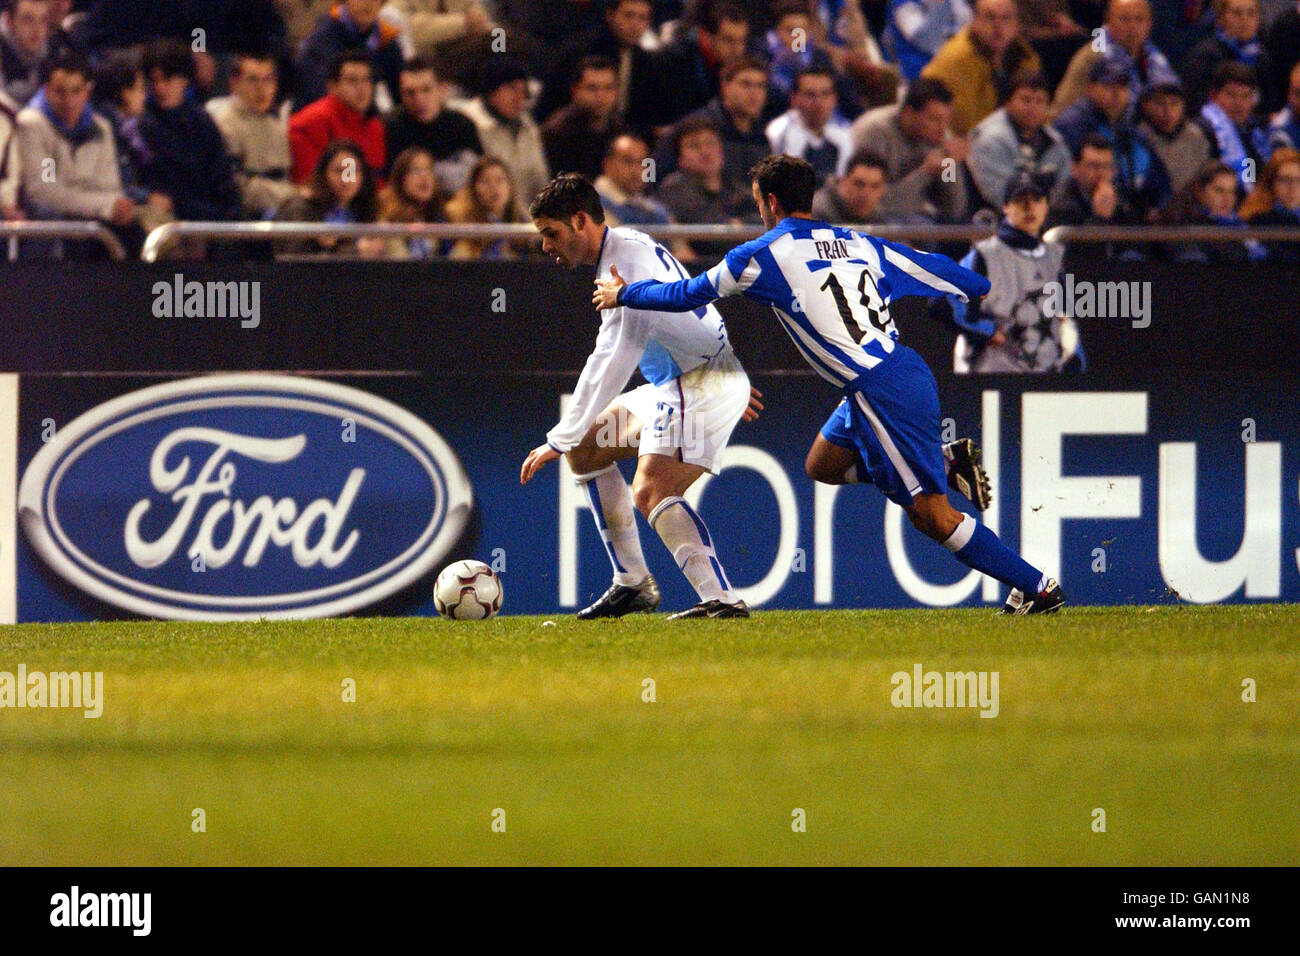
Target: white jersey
x=663, y=344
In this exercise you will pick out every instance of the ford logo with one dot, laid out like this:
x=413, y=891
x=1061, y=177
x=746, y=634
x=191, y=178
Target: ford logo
x=244, y=496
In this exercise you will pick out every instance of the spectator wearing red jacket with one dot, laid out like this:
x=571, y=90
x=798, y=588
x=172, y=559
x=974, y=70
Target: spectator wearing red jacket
x=346, y=111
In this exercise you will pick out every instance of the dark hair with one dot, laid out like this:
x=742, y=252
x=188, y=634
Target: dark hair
x=593, y=62
x=739, y=65
x=784, y=8
x=1233, y=71
x=169, y=56
x=497, y=71
x=1027, y=80
x=349, y=56
x=119, y=71
x=689, y=127
x=1208, y=173
x=363, y=203
x=791, y=180
x=257, y=56
x=394, y=202
x=564, y=197
x=1093, y=141
x=813, y=69
x=865, y=157
x=925, y=90
x=419, y=64
x=68, y=62
x=611, y=6
x=465, y=205
x=1183, y=208
x=712, y=14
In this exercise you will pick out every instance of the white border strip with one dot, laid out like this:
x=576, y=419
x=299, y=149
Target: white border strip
x=8, y=496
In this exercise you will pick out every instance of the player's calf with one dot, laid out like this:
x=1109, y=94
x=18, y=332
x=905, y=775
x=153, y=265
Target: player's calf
x=934, y=516
x=976, y=546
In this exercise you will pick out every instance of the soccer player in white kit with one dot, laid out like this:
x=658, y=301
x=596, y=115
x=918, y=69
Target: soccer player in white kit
x=678, y=423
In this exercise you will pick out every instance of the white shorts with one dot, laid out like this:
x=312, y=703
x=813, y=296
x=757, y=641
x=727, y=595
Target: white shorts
x=691, y=417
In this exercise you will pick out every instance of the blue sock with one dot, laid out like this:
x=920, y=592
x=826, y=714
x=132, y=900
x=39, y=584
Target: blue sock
x=975, y=546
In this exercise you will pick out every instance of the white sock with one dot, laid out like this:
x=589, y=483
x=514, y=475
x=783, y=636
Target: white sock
x=611, y=507
x=961, y=535
x=691, y=546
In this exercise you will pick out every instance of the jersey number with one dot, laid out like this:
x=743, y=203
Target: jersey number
x=878, y=318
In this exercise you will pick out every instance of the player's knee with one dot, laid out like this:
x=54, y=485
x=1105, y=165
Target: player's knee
x=816, y=468
x=645, y=495
x=582, y=461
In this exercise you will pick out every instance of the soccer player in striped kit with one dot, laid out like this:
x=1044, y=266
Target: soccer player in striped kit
x=830, y=288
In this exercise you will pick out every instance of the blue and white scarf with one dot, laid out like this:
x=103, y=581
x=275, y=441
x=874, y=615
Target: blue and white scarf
x=1232, y=151
x=1246, y=52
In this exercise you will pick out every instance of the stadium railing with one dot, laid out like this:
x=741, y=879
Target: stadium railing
x=161, y=240
x=13, y=232
x=1172, y=234
x=164, y=237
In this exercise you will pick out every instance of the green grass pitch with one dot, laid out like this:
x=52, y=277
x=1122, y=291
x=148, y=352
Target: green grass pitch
x=1134, y=711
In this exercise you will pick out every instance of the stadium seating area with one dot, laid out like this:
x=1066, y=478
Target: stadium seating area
x=134, y=113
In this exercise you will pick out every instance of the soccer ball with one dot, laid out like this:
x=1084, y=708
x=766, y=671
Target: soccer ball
x=467, y=591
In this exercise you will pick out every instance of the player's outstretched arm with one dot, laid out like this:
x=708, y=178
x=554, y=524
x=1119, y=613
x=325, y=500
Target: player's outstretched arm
x=912, y=272
x=651, y=296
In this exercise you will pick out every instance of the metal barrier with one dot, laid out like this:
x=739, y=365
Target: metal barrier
x=60, y=229
x=163, y=238
x=1172, y=234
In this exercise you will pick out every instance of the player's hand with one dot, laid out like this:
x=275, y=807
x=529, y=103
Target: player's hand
x=607, y=290
x=538, y=457
x=755, y=406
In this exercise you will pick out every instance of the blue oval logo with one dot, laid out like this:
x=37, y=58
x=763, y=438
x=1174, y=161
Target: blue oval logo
x=244, y=496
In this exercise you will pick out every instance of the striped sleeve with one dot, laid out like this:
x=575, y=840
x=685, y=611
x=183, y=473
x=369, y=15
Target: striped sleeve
x=732, y=276
x=924, y=273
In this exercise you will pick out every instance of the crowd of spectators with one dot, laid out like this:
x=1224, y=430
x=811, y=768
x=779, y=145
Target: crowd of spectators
x=136, y=112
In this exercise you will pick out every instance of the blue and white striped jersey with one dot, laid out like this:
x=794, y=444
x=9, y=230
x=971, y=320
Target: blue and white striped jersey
x=663, y=345
x=829, y=286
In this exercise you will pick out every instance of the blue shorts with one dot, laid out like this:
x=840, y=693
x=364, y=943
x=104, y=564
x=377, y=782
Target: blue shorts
x=891, y=418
